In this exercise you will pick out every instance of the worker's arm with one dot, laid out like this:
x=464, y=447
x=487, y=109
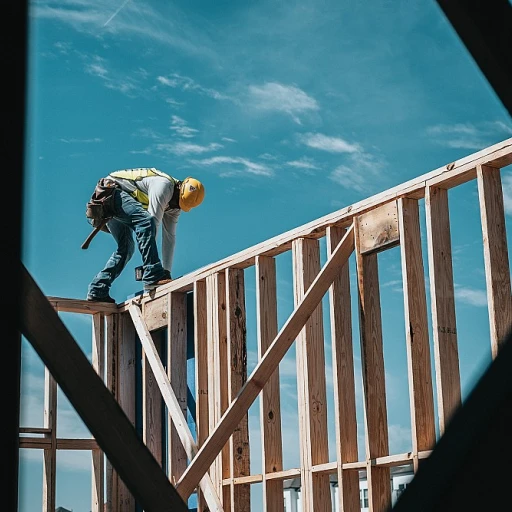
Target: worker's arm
x=170, y=222
x=159, y=191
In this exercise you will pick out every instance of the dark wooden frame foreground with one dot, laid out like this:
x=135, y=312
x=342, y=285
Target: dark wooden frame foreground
x=95, y=404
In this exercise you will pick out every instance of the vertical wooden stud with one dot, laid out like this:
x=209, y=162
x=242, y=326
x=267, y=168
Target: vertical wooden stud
x=270, y=403
x=444, y=329
x=98, y=458
x=201, y=371
x=416, y=329
x=497, y=269
x=374, y=384
x=127, y=362
x=50, y=454
x=315, y=488
x=152, y=405
x=113, y=334
x=237, y=376
x=216, y=293
x=343, y=380
x=177, y=374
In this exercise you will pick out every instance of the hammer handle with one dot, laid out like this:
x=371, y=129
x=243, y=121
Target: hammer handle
x=93, y=233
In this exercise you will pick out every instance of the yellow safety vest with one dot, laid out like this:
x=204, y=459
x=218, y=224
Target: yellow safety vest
x=127, y=180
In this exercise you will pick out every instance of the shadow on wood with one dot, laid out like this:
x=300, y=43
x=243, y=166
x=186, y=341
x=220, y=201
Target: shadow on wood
x=469, y=468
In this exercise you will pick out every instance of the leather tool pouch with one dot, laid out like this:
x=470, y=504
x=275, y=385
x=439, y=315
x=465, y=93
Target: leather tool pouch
x=101, y=205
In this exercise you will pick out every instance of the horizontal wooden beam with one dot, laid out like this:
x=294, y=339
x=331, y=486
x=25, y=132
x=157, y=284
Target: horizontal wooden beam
x=81, y=306
x=62, y=444
x=116, y=436
x=450, y=175
x=331, y=468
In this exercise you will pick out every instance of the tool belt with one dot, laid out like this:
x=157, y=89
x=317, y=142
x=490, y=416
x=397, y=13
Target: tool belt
x=101, y=205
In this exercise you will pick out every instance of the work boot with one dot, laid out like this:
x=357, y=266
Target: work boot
x=163, y=280
x=108, y=299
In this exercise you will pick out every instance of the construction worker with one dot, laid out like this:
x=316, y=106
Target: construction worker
x=142, y=200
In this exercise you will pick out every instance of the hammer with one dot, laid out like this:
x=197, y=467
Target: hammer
x=93, y=233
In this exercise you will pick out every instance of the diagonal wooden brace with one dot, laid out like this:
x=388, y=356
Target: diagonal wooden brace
x=179, y=420
x=266, y=367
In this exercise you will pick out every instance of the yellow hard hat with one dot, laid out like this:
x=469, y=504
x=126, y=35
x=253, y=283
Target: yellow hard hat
x=191, y=194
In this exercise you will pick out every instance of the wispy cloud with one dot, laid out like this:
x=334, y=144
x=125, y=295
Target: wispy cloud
x=349, y=178
x=95, y=140
x=168, y=25
x=179, y=126
x=117, y=81
x=303, y=163
x=329, y=144
x=277, y=97
x=360, y=173
x=185, y=148
x=471, y=296
x=469, y=135
x=185, y=83
x=246, y=165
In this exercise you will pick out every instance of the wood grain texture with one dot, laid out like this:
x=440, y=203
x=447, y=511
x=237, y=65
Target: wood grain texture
x=312, y=399
x=270, y=399
x=152, y=418
x=442, y=294
x=374, y=384
x=201, y=371
x=496, y=260
x=378, y=228
x=177, y=375
x=50, y=453
x=416, y=328
x=239, y=447
x=343, y=380
x=98, y=458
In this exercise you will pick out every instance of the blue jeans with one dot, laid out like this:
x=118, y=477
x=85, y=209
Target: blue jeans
x=129, y=216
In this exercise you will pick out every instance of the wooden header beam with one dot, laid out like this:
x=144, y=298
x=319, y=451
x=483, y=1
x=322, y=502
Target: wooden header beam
x=458, y=172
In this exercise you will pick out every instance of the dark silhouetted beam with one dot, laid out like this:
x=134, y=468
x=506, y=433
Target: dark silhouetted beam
x=485, y=28
x=95, y=404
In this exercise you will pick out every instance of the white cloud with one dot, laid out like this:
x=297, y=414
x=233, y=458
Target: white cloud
x=173, y=102
x=82, y=141
x=468, y=135
x=282, y=98
x=179, y=125
x=186, y=83
x=303, y=163
x=471, y=296
x=330, y=144
x=185, y=148
x=227, y=139
x=247, y=165
x=168, y=26
x=349, y=178
x=122, y=83
x=400, y=439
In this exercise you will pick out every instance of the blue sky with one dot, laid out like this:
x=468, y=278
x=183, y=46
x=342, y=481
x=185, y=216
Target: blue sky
x=286, y=111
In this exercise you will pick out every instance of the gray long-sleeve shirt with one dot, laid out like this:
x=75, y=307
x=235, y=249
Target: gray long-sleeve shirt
x=159, y=191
